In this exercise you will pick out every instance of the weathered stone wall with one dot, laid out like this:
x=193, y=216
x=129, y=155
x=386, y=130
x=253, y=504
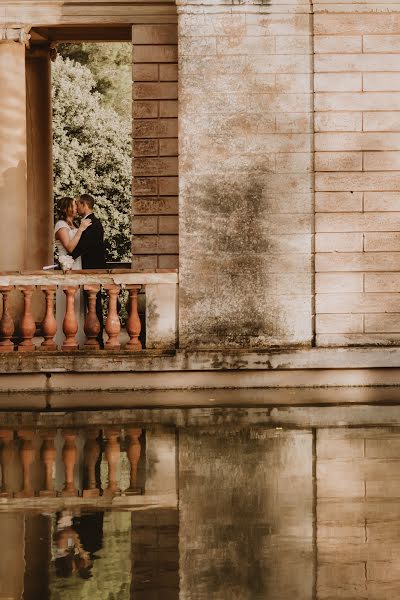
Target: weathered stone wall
x=357, y=163
x=155, y=147
x=246, y=198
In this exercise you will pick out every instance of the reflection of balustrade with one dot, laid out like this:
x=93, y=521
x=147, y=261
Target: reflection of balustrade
x=36, y=454
x=160, y=290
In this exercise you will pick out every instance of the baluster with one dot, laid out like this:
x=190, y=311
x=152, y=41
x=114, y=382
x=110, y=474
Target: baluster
x=92, y=324
x=6, y=322
x=27, y=454
x=133, y=324
x=6, y=438
x=133, y=452
x=69, y=455
x=70, y=323
x=112, y=453
x=91, y=453
x=49, y=325
x=27, y=324
x=48, y=456
x=113, y=324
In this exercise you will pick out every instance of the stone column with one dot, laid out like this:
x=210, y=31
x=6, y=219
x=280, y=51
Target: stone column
x=13, y=151
x=39, y=145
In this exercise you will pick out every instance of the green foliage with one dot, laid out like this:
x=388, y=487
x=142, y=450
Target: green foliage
x=92, y=152
x=111, y=67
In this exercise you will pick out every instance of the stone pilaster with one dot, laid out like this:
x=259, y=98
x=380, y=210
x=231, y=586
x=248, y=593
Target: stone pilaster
x=246, y=183
x=13, y=150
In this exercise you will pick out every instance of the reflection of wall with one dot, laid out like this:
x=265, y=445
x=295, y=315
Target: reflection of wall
x=246, y=518
x=12, y=559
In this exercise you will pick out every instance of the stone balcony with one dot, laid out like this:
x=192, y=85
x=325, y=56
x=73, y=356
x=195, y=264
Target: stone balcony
x=39, y=290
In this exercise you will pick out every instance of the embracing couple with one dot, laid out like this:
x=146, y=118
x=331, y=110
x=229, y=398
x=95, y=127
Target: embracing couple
x=85, y=244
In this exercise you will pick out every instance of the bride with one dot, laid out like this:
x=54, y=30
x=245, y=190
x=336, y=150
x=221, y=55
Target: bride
x=67, y=236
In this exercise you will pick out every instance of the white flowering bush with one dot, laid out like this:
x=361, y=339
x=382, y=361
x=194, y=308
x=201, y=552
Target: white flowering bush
x=92, y=153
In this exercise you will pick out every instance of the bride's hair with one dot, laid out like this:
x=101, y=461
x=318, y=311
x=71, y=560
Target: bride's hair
x=64, y=204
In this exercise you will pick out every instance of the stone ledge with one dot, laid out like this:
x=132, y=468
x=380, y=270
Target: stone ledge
x=207, y=360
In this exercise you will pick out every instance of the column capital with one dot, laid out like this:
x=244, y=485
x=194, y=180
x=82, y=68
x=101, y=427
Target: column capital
x=15, y=34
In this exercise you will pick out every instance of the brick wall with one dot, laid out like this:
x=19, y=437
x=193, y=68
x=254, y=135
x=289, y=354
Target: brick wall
x=357, y=164
x=155, y=147
x=246, y=198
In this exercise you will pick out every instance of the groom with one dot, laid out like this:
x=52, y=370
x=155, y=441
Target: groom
x=91, y=248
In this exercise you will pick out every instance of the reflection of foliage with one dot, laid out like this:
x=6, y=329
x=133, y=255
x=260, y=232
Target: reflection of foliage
x=92, y=152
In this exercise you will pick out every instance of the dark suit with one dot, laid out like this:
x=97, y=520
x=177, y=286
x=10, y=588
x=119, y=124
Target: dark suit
x=91, y=246
x=91, y=249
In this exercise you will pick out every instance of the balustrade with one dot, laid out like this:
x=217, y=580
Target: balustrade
x=160, y=299
x=35, y=455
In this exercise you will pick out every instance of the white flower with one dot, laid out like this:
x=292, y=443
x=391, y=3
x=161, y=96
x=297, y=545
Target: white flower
x=66, y=262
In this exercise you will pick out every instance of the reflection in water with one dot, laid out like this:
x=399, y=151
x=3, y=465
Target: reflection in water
x=263, y=514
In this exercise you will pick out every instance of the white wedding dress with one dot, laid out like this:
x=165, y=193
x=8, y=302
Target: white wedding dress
x=60, y=296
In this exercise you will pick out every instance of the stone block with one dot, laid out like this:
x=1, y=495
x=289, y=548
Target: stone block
x=293, y=122
x=375, y=82
x=357, y=261
x=376, y=282
x=357, y=181
x=144, y=224
x=145, y=186
x=155, y=54
x=293, y=44
x=338, y=324
x=152, y=244
x=145, y=109
x=357, y=101
x=168, y=261
x=155, y=34
x=168, y=108
x=338, y=82
x=291, y=82
x=143, y=263
x=339, y=282
x=338, y=43
x=338, y=242
x=339, y=201
x=145, y=72
x=381, y=43
x=156, y=91
x=294, y=162
x=338, y=121
x=155, y=206
x=324, y=63
x=155, y=166
x=168, y=72
x=338, y=161
x=169, y=147
x=246, y=45
x=381, y=447
x=357, y=222
x=357, y=303
x=382, y=161
x=382, y=242
x=340, y=448
x=382, y=323
x=145, y=148
x=382, y=201
x=168, y=224
x=197, y=46
x=283, y=63
x=356, y=24
x=155, y=128
x=381, y=121
x=168, y=186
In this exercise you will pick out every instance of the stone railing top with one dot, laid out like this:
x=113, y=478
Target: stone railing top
x=93, y=276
